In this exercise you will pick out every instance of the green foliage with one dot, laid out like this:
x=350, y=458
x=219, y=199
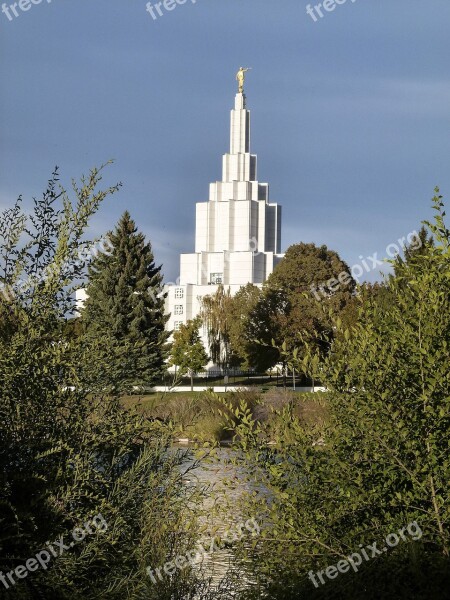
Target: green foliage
x=196, y=416
x=66, y=456
x=380, y=460
x=123, y=317
x=299, y=297
x=265, y=323
x=421, y=245
x=216, y=316
x=188, y=352
x=240, y=308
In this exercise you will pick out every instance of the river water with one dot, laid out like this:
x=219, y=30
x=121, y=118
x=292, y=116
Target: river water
x=225, y=484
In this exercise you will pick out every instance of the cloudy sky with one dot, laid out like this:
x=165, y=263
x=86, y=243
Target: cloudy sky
x=350, y=113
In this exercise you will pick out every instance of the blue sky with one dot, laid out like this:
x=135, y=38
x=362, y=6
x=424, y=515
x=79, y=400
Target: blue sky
x=350, y=114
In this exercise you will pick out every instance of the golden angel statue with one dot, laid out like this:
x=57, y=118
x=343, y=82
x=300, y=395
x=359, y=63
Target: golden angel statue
x=240, y=78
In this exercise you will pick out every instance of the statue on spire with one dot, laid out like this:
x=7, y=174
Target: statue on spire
x=240, y=78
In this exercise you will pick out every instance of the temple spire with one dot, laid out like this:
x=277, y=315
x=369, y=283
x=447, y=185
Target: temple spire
x=240, y=126
x=237, y=230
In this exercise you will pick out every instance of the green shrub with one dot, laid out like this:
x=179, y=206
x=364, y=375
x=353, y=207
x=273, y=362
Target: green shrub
x=67, y=454
x=377, y=459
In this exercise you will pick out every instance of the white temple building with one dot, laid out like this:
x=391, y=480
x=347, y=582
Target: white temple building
x=238, y=231
x=237, y=234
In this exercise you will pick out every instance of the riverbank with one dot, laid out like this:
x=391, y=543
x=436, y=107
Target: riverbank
x=196, y=416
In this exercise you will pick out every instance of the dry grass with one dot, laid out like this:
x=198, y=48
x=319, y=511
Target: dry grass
x=196, y=415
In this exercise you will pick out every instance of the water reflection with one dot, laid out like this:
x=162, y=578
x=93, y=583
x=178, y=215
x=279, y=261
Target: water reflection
x=224, y=484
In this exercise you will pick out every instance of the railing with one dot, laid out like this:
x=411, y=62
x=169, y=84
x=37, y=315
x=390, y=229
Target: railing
x=238, y=378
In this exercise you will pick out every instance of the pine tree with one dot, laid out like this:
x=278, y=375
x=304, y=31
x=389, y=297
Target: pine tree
x=420, y=245
x=124, y=313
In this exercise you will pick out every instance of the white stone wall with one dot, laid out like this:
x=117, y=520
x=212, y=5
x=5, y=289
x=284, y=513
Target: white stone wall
x=80, y=299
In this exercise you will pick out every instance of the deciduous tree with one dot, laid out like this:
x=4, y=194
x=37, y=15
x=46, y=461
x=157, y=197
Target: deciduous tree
x=307, y=287
x=380, y=461
x=188, y=353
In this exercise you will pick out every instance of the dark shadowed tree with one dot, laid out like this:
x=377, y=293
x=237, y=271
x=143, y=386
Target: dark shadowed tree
x=240, y=308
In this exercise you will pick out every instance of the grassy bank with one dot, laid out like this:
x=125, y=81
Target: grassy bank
x=199, y=415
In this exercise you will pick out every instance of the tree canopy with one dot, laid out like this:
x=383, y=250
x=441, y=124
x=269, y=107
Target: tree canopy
x=307, y=287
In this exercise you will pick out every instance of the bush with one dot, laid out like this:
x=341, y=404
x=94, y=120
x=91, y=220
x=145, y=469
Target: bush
x=379, y=460
x=66, y=455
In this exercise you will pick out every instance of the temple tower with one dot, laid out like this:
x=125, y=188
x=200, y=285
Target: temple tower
x=238, y=231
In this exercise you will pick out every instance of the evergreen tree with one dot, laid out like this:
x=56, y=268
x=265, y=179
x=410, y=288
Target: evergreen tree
x=124, y=313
